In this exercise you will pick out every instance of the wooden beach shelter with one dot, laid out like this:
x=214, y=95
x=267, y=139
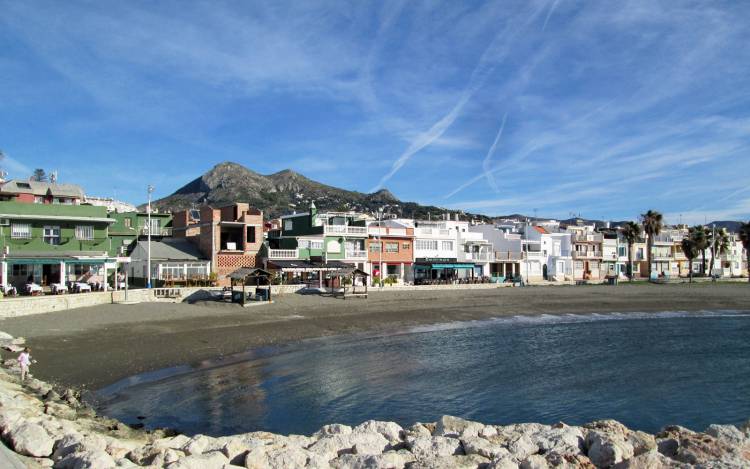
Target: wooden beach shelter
x=248, y=276
x=351, y=289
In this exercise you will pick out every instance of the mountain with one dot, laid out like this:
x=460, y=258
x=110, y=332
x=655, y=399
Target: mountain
x=283, y=192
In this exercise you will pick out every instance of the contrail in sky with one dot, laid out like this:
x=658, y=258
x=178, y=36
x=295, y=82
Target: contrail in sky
x=487, y=163
x=549, y=14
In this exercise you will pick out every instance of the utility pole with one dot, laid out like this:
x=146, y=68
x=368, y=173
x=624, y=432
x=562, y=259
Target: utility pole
x=148, y=232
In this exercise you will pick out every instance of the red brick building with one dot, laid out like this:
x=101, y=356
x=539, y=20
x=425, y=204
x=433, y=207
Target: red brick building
x=230, y=236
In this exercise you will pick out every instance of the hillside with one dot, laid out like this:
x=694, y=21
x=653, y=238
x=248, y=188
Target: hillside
x=283, y=192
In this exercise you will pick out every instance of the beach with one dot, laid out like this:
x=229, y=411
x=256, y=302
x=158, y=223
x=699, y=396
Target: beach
x=93, y=347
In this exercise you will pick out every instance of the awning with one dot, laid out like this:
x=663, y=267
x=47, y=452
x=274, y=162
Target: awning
x=445, y=266
x=38, y=261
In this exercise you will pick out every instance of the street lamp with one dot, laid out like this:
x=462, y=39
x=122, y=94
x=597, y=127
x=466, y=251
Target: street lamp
x=380, y=245
x=148, y=233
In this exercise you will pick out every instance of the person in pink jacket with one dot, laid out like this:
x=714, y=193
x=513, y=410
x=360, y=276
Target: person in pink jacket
x=24, y=360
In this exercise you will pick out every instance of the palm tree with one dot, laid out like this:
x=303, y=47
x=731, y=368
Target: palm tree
x=691, y=252
x=719, y=245
x=631, y=231
x=745, y=238
x=653, y=222
x=701, y=236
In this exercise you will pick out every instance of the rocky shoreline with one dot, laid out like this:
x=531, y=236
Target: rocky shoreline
x=52, y=428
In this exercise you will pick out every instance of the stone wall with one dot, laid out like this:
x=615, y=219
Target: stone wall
x=25, y=305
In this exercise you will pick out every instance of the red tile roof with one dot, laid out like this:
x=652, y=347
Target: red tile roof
x=540, y=229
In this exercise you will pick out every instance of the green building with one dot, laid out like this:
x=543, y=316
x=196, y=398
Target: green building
x=322, y=238
x=130, y=227
x=49, y=244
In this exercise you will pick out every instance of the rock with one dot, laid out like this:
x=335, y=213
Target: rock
x=316, y=461
x=562, y=439
x=389, y=460
x=272, y=458
x=607, y=449
x=727, y=433
x=86, y=460
x=212, y=460
x=31, y=439
x=642, y=442
x=436, y=446
x=390, y=430
x=173, y=442
x=456, y=427
x=332, y=446
x=451, y=462
x=334, y=429
x=59, y=410
x=535, y=461
x=5, y=336
x=200, y=444
x=416, y=430
x=483, y=447
x=235, y=449
x=522, y=447
x=648, y=460
x=503, y=463
x=488, y=431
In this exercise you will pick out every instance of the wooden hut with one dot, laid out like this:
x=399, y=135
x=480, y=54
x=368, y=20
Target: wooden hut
x=348, y=279
x=251, y=277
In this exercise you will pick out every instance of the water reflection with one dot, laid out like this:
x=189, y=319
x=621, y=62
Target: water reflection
x=685, y=369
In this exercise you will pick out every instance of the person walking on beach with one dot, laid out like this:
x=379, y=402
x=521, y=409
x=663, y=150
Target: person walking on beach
x=24, y=360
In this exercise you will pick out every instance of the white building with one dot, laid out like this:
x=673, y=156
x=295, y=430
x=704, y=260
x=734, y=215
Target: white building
x=548, y=253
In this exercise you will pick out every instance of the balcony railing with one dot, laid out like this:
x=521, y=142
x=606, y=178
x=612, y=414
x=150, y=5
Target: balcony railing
x=587, y=254
x=385, y=231
x=356, y=254
x=157, y=231
x=345, y=230
x=508, y=255
x=533, y=254
x=283, y=254
x=588, y=238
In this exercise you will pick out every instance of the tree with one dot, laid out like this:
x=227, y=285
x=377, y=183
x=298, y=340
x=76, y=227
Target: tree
x=631, y=231
x=745, y=238
x=39, y=175
x=691, y=252
x=719, y=244
x=652, y=222
x=701, y=236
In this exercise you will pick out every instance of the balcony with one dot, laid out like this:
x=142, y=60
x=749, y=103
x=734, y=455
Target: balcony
x=156, y=232
x=385, y=231
x=508, y=255
x=478, y=256
x=356, y=254
x=279, y=254
x=587, y=238
x=534, y=255
x=587, y=254
x=345, y=230
x=663, y=239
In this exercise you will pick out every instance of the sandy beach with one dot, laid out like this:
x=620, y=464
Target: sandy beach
x=93, y=347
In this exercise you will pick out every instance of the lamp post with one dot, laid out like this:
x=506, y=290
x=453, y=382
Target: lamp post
x=148, y=233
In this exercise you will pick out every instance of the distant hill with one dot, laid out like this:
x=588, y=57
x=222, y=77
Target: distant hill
x=283, y=192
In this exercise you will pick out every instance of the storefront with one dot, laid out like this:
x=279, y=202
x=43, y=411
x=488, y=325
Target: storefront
x=442, y=270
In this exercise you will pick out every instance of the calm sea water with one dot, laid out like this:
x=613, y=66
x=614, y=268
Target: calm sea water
x=650, y=370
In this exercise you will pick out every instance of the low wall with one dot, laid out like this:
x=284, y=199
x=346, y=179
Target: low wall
x=25, y=305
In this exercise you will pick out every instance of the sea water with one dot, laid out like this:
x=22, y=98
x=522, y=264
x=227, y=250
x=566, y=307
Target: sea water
x=645, y=370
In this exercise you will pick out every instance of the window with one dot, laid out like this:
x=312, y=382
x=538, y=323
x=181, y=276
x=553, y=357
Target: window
x=287, y=225
x=405, y=246
x=427, y=245
x=391, y=247
x=127, y=222
x=447, y=245
x=20, y=231
x=51, y=235
x=316, y=245
x=374, y=247
x=21, y=270
x=85, y=232
x=621, y=251
x=251, y=234
x=38, y=199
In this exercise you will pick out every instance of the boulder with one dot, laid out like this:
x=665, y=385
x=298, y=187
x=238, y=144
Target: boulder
x=264, y=457
x=483, y=447
x=389, y=460
x=31, y=439
x=607, y=449
x=212, y=460
x=535, y=461
x=451, y=462
x=416, y=430
x=59, y=410
x=522, y=447
x=503, y=463
x=642, y=442
x=648, y=460
x=332, y=446
x=457, y=427
x=390, y=430
x=727, y=433
x=86, y=460
x=333, y=429
x=436, y=446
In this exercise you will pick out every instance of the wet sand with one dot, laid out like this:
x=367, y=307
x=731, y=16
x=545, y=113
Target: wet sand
x=94, y=347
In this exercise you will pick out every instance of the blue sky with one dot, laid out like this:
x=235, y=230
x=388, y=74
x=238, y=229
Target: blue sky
x=601, y=108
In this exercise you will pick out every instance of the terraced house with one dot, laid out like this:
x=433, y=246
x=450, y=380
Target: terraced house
x=130, y=227
x=308, y=244
x=49, y=244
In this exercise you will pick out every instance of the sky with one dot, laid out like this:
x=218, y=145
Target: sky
x=550, y=107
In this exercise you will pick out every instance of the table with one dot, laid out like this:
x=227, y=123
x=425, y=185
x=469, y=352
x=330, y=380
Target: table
x=33, y=288
x=58, y=288
x=82, y=287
